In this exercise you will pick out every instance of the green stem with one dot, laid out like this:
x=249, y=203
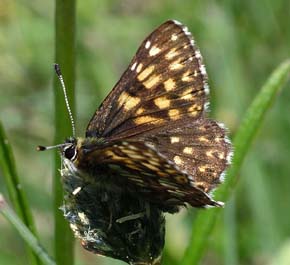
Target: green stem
x=25, y=233
x=65, y=13
x=14, y=187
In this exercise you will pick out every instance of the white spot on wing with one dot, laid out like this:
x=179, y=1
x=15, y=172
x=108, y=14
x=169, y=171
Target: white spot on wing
x=197, y=54
x=186, y=32
x=188, y=150
x=148, y=44
x=221, y=125
x=206, y=106
x=202, y=69
x=206, y=89
x=176, y=22
x=177, y=160
x=222, y=177
x=174, y=139
x=154, y=50
x=133, y=66
x=173, y=37
x=139, y=67
x=227, y=140
x=229, y=157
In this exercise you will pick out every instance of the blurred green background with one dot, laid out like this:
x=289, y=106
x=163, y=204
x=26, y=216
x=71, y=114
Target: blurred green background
x=241, y=42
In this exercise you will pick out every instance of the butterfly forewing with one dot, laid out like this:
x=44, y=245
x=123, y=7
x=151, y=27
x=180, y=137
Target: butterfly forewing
x=165, y=82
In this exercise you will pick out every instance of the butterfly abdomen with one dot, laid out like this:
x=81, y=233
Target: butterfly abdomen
x=111, y=222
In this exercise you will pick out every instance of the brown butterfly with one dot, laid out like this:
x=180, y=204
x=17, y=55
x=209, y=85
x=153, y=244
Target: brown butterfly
x=151, y=135
x=151, y=138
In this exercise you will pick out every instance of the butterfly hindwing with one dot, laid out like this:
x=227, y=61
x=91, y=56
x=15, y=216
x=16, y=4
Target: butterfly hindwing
x=201, y=149
x=148, y=172
x=165, y=82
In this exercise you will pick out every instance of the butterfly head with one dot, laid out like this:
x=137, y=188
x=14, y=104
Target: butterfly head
x=69, y=149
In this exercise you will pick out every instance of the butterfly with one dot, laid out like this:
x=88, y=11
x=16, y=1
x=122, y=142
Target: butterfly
x=151, y=134
x=150, y=140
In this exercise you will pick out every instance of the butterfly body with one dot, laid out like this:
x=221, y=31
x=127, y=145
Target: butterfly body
x=149, y=148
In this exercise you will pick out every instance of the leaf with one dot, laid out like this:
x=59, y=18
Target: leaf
x=15, y=192
x=25, y=233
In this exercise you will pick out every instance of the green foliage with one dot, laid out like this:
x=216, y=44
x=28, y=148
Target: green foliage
x=15, y=192
x=25, y=233
x=251, y=122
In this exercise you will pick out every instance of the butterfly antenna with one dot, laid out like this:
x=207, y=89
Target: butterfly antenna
x=59, y=75
x=44, y=148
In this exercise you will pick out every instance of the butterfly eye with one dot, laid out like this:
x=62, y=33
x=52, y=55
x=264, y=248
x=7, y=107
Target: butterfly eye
x=70, y=152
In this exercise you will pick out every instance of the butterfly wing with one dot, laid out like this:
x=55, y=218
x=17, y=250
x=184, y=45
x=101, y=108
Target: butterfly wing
x=160, y=102
x=201, y=149
x=146, y=171
x=165, y=82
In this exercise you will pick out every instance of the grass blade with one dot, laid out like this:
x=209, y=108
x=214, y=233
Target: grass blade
x=253, y=118
x=65, y=13
x=15, y=192
x=25, y=233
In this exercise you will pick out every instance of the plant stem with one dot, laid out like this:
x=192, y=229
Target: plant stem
x=65, y=16
x=25, y=233
x=14, y=187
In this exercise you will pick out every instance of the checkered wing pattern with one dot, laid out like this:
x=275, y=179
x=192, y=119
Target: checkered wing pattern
x=158, y=106
x=201, y=149
x=166, y=81
x=142, y=167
